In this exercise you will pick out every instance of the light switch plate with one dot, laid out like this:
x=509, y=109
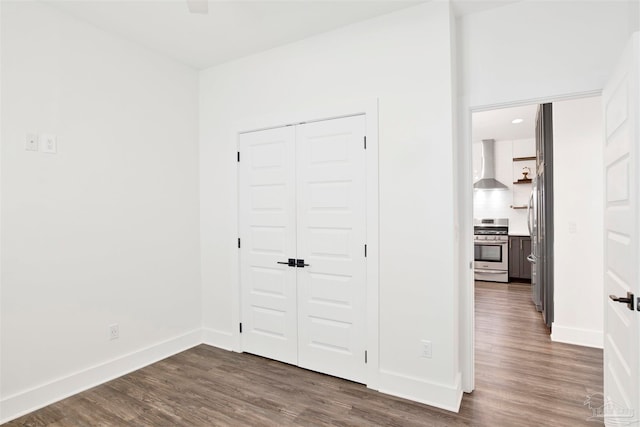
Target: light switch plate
x=31, y=142
x=49, y=144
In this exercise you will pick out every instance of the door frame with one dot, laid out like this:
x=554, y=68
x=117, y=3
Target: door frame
x=465, y=261
x=347, y=108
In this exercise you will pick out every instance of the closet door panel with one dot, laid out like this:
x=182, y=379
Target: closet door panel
x=331, y=237
x=268, y=237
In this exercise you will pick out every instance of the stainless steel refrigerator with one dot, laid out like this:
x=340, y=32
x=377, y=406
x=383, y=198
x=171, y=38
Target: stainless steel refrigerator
x=541, y=216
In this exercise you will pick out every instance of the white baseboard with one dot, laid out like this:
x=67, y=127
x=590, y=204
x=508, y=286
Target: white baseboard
x=220, y=339
x=442, y=396
x=22, y=403
x=577, y=336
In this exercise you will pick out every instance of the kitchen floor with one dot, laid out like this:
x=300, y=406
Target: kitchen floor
x=522, y=379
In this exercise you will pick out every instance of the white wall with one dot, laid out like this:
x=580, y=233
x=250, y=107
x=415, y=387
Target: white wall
x=578, y=221
x=404, y=60
x=531, y=50
x=106, y=230
x=523, y=52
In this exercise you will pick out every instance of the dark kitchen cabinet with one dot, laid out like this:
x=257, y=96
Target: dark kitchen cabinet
x=519, y=250
x=514, y=257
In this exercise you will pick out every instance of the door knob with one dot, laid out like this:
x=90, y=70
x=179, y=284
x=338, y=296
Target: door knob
x=628, y=300
x=300, y=263
x=291, y=262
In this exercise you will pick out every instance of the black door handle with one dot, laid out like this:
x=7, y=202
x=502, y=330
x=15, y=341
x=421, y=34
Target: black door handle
x=628, y=300
x=300, y=263
x=291, y=262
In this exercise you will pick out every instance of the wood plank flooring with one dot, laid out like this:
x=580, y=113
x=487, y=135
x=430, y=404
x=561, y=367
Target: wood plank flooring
x=522, y=379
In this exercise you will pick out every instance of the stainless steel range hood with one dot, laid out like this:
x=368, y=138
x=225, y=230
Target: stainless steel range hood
x=488, y=179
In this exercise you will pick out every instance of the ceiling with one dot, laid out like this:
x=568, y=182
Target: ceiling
x=233, y=28
x=496, y=124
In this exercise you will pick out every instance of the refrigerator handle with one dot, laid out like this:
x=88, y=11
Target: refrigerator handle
x=529, y=219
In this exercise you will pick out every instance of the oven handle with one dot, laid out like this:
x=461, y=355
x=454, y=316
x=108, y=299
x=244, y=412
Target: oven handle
x=490, y=242
x=491, y=271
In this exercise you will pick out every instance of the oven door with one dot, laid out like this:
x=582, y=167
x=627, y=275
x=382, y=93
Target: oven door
x=490, y=255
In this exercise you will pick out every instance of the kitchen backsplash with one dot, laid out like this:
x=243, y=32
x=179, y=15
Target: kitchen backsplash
x=497, y=203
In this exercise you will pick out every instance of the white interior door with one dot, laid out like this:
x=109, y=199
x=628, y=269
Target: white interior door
x=331, y=240
x=267, y=226
x=622, y=235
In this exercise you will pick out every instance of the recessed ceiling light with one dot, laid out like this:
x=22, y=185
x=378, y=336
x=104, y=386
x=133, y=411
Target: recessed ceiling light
x=516, y=121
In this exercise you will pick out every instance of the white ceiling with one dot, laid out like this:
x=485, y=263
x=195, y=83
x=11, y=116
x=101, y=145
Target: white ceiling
x=496, y=124
x=233, y=28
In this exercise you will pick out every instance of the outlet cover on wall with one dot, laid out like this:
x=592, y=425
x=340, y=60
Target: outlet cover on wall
x=425, y=350
x=114, y=331
x=48, y=143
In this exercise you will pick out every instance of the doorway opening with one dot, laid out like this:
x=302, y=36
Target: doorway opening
x=508, y=146
x=513, y=200
x=519, y=318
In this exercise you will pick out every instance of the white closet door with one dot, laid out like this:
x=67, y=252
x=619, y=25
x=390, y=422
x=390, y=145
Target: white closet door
x=331, y=238
x=267, y=231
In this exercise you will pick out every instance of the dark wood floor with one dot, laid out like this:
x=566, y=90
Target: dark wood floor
x=522, y=379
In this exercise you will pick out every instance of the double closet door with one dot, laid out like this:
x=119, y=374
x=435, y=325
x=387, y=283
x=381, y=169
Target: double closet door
x=302, y=226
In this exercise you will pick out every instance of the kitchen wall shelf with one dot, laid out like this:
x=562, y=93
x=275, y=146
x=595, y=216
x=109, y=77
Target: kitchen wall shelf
x=523, y=165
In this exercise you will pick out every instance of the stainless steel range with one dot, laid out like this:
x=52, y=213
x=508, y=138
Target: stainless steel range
x=491, y=249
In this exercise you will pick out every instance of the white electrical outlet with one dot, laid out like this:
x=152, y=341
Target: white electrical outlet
x=425, y=350
x=114, y=331
x=31, y=142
